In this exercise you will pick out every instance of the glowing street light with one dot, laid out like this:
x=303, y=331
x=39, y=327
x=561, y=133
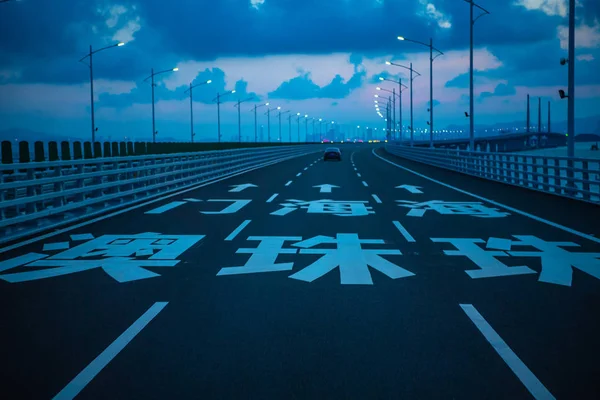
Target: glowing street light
x=431, y=58
x=218, y=101
x=256, y=120
x=91, y=65
x=152, y=75
x=191, y=104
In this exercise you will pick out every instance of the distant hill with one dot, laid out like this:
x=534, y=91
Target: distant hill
x=588, y=125
x=29, y=135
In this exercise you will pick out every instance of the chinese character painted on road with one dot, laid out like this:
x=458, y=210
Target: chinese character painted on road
x=235, y=206
x=123, y=257
x=486, y=260
x=263, y=256
x=557, y=263
x=349, y=256
x=475, y=209
x=339, y=208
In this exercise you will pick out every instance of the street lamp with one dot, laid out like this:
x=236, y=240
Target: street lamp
x=280, y=114
x=268, y=114
x=290, y=124
x=400, y=86
x=218, y=101
x=471, y=71
x=256, y=120
x=152, y=75
x=431, y=58
x=92, y=52
x=298, y=115
x=239, y=102
x=412, y=78
x=191, y=105
x=306, y=119
x=394, y=95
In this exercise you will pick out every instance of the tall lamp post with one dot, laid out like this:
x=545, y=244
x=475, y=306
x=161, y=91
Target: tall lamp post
x=91, y=65
x=290, y=123
x=218, y=101
x=400, y=90
x=268, y=114
x=298, y=115
x=152, y=75
x=256, y=120
x=280, y=114
x=471, y=71
x=431, y=59
x=191, y=104
x=237, y=105
x=306, y=119
x=413, y=75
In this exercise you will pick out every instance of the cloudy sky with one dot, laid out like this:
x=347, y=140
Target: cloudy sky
x=318, y=57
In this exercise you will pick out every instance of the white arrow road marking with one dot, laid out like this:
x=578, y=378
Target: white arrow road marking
x=410, y=188
x=239, y=188
x=325, y=188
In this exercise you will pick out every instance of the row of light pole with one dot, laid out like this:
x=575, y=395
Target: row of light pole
x=570, y=96
x=433, y=54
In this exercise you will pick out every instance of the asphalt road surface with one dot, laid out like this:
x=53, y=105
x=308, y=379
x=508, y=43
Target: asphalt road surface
x=307, y=279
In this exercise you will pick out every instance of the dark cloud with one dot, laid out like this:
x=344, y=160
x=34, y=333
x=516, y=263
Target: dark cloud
x=461, y=81
x=501, y=89
x=206, y=93
x=302, y=88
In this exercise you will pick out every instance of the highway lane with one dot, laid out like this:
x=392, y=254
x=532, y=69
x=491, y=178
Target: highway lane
x=312, y=323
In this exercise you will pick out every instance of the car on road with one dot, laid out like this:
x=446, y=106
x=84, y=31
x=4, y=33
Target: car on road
x=332, y=153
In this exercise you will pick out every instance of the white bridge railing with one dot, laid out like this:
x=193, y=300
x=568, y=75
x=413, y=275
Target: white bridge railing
x=577, y=178
x=43, y=195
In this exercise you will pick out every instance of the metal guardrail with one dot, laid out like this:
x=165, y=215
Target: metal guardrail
x=36, y=196
x=577, y=178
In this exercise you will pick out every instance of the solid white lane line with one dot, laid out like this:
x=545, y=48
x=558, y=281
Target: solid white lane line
x=136, y=206
x=359, y=175
x=365, y=183
x=289, y=183
x=531, y=382
x=299, y=173
x=404, y=232
x=377, y=199
x=517, y=211
x=272, y=197
x=84, y=377
x=237, y=230
x=166, y=207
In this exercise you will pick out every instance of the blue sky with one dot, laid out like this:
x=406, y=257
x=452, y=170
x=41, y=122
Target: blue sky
x=321, y=58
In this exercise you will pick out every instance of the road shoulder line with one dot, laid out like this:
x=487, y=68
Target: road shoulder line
x=509, y=208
